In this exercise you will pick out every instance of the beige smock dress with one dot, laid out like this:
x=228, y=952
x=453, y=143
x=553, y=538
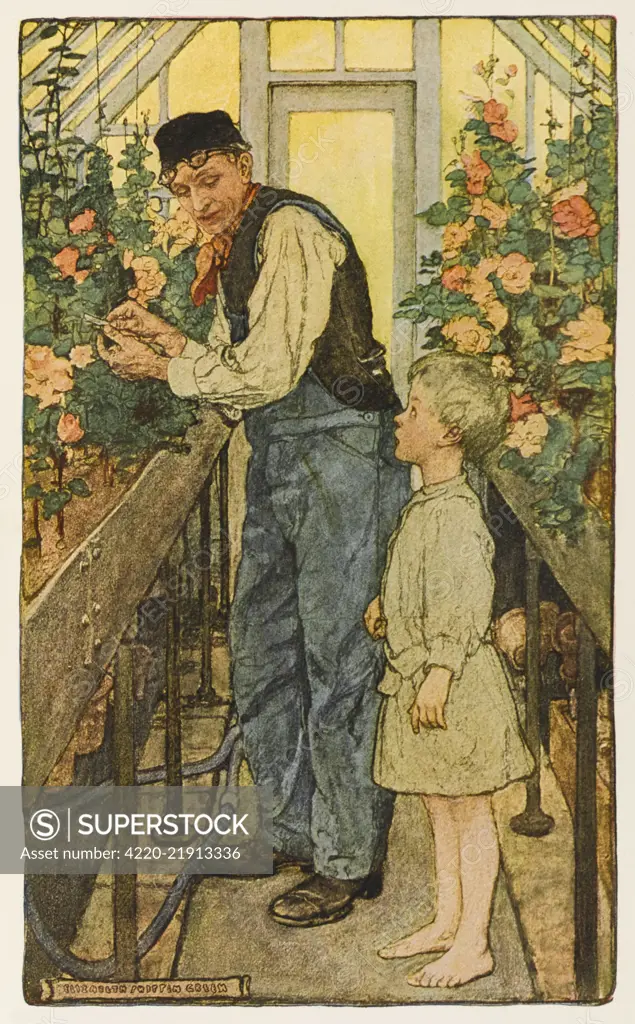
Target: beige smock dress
x=436, y=596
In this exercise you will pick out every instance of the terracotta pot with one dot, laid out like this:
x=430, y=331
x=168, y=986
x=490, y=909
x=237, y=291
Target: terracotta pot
x=510, y=633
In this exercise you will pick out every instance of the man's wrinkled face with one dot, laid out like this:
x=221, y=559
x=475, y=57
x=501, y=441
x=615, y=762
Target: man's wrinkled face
x=214, y=193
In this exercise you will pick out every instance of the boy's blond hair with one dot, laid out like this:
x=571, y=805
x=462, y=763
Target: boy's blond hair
x=464, y=393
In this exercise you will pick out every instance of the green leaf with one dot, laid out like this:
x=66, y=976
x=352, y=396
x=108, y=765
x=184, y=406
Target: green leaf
x=459, y=207
x=519, y=192
x=569, y=308
x=606, y=240
x=436, y=215
x=482, y=222
x=456, y=176
x=35, y=491
x=79, y=488
x=54, y=501
x=497, y=194
x=549, y=291
x=597, y=139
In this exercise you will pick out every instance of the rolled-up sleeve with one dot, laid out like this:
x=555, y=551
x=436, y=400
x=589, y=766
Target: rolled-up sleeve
x=288, y=310
x=181, y=373
x=458, y=582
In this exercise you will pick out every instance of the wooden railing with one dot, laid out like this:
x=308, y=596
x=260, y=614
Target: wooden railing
x=72, y=629
x=585, y=573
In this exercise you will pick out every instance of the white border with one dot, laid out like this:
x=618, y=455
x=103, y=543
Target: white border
x=11, y=914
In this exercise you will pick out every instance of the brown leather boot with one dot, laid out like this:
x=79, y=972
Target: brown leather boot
x=321, y=900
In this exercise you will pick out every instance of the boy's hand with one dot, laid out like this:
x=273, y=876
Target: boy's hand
x=429, y=707
x=374, y=621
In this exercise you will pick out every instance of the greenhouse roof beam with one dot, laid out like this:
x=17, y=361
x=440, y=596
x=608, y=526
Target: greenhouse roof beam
x=563, y=45
x=537, y=54
x=89, y=96
x=601, y=48
x=86, y=38
x=137, y=79
x=33, y=37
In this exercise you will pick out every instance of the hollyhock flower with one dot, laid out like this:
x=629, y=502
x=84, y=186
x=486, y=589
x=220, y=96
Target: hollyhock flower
x=69, y=429
x=479, y=289
x=176, y=234
x=521, y=406
x=84, y=221
x=501, y=366
x=511, y=70
x=477, y=285
x=493, y=111
x=515, y=272
x=528, y=435
x=66, y=262
x=505, y=130
x=496, y=312
x=575, y=218
x=454, y=238
x=81, y=356
x=149, y=278
x=496, y=215
x=454, y=278
x=589, y=336
x=495, y=114
x=468, y=335
x=477, y=171
x=47, y=376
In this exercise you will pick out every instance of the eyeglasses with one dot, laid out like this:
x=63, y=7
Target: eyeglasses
x=195, y=161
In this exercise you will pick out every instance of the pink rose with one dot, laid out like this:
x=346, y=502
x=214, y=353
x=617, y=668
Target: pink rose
x=69, y=429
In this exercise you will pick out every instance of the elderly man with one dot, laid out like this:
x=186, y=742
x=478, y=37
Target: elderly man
x=291, y=349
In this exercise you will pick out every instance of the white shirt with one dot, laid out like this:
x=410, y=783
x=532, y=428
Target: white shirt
x=288, y=310
x=438, y=585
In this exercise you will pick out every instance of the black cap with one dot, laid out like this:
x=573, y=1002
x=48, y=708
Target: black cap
x=183, y=136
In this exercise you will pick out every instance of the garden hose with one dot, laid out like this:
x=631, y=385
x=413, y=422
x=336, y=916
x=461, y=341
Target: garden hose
x=230, y=752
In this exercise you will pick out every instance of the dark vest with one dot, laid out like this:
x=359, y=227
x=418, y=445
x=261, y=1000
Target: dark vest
x=347, y=361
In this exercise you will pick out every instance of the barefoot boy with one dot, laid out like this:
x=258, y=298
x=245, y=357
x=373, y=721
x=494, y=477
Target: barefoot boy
x=448, y=728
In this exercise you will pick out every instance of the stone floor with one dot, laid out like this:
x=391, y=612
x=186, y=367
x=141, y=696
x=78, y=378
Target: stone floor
x=228, y=932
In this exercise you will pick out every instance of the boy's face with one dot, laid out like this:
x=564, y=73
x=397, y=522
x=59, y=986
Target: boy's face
x=418, y=431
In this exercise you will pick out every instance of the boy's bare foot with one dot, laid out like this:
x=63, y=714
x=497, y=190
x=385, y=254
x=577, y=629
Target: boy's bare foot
x=456, y=967
x=429, y=939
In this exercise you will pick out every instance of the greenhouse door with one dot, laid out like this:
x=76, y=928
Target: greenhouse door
x=352, y=147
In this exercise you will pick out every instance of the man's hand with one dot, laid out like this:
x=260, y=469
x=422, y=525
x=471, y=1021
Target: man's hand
x=132, y=360
x=429, y=707
x=374, y=620
x=132, y=321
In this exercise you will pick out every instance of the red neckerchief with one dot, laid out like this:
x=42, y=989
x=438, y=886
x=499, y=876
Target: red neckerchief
x=212, y=257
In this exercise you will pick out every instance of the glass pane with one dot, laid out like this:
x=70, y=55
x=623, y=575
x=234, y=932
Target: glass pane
x=205, y=75
x=147, y=103
x=383, y=44
x=344, y=159
x=302, y=46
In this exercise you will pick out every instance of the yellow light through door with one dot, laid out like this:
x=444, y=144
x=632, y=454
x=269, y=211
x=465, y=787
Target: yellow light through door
x=344, y=159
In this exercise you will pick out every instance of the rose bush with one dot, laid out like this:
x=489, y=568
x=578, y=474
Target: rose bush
x=87, y=248
x=525, y=279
